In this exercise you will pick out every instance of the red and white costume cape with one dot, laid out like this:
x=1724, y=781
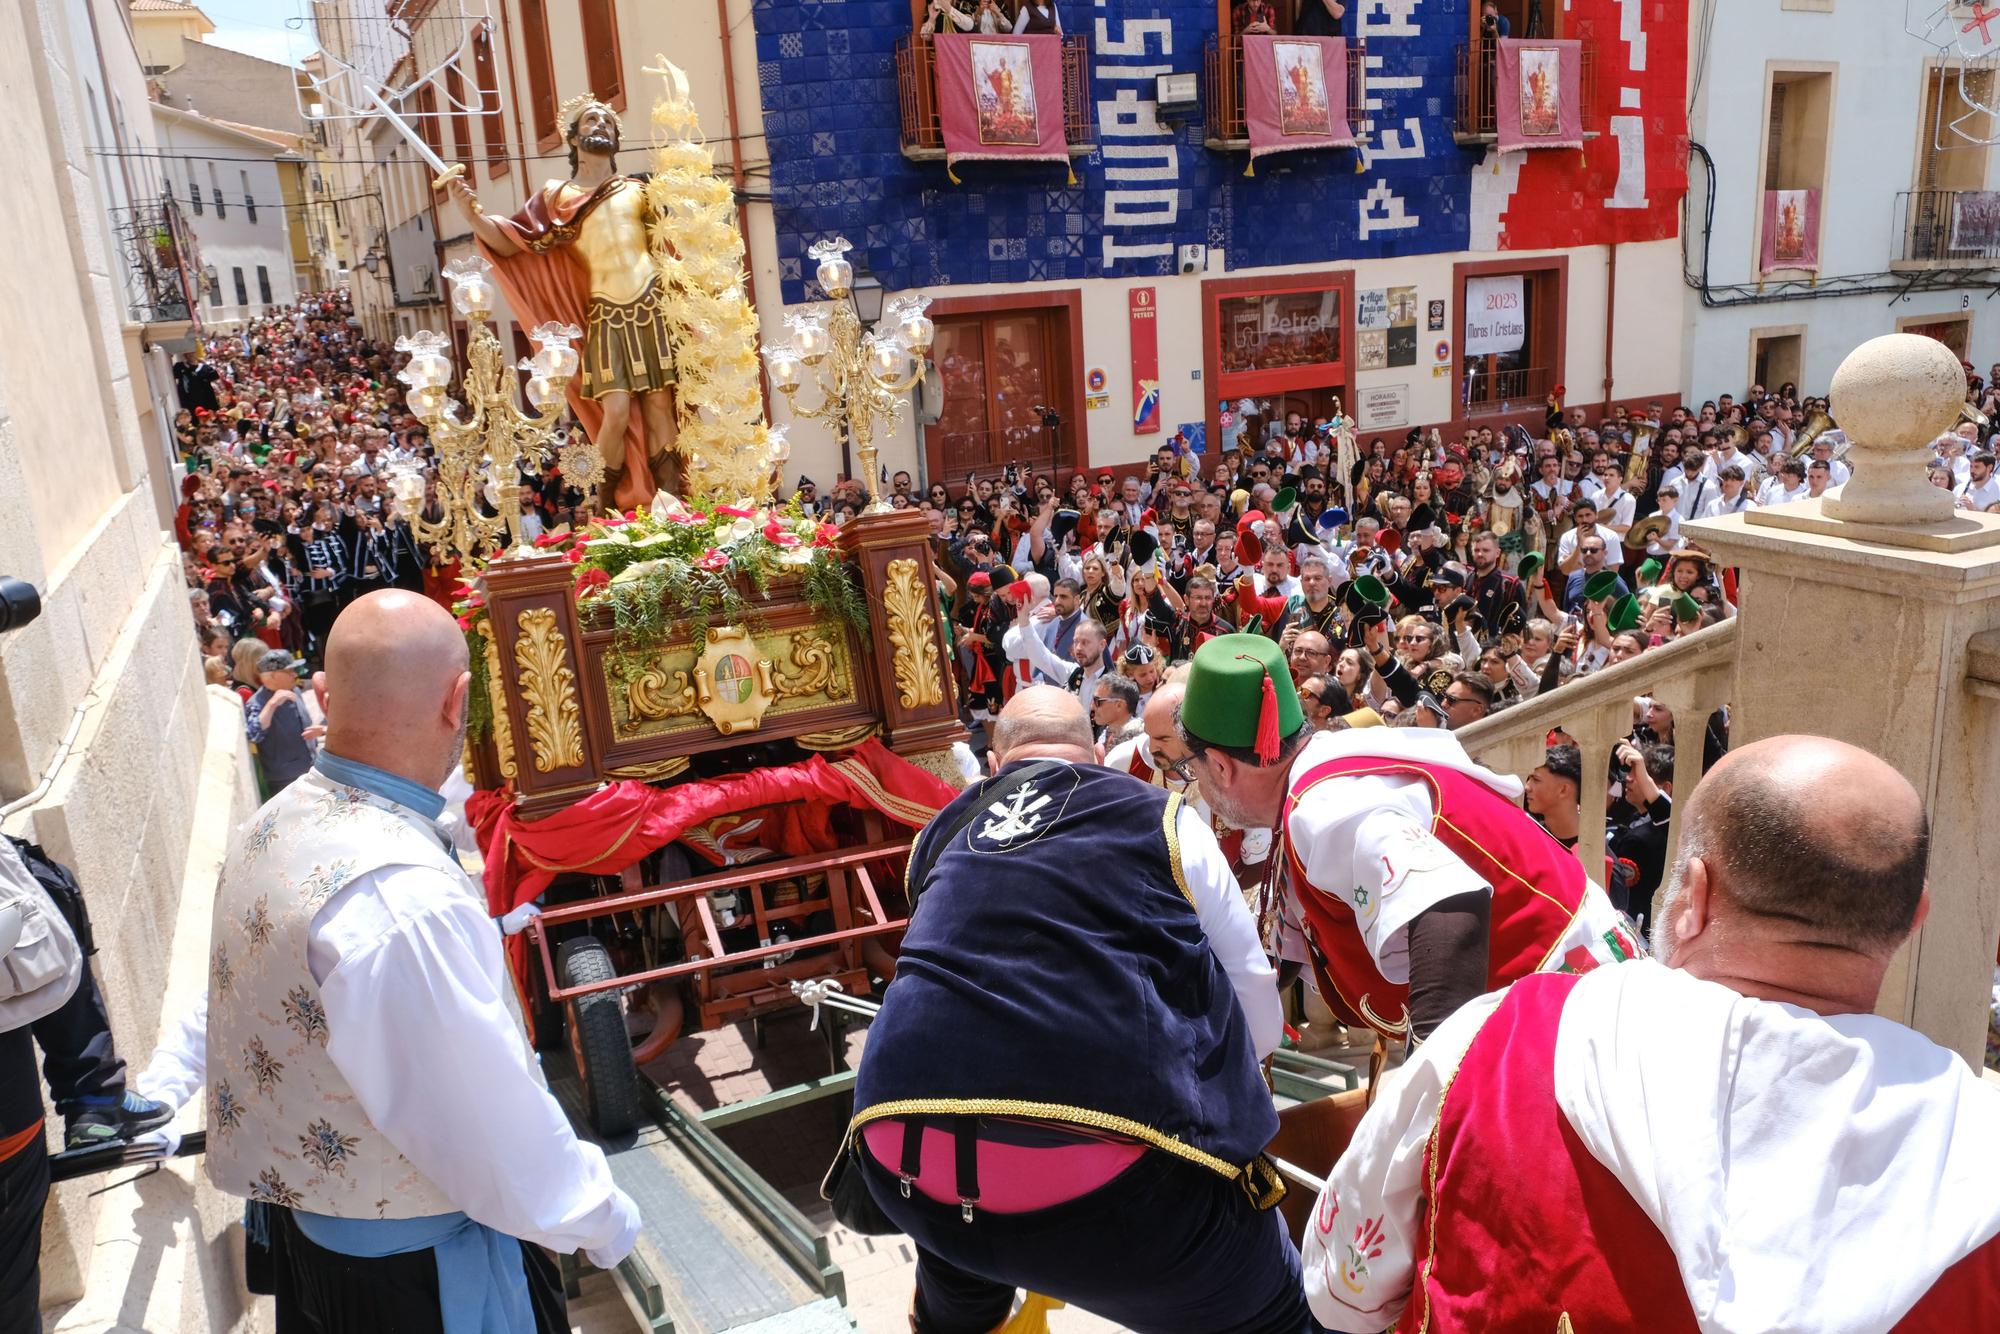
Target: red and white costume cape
x=1381, y=824
x=1639, y=1149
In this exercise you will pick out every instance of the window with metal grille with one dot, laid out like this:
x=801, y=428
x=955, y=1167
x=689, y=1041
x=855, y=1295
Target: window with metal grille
x=242, y=289
x=263, y=284
x=249, y=204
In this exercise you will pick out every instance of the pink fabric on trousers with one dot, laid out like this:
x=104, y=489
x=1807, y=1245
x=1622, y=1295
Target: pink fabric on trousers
x=1013, y=1179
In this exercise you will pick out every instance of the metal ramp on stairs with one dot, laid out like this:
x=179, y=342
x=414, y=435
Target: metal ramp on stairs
x=719, y=1250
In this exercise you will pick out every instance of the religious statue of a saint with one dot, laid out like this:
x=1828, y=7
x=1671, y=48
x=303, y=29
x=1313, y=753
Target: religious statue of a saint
x=578, y=252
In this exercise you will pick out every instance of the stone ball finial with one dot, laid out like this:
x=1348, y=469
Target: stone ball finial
x=1893, y=396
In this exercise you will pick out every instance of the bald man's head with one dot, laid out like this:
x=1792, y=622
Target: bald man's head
x=396, y=681
x=1045, y=723
x=1815, y=834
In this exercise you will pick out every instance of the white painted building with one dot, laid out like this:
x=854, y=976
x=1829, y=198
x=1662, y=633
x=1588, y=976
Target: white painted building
x=226, y=177
x=1833, y=105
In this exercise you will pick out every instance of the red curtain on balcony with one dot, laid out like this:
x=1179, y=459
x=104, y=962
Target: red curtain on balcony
x=1000, y=98
x=1295, y=93
x=1538, y=96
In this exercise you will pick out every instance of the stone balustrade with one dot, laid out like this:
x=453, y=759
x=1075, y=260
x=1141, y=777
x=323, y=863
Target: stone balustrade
x=1692, y=676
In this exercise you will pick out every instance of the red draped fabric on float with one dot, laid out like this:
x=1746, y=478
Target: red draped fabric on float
x=617, y=825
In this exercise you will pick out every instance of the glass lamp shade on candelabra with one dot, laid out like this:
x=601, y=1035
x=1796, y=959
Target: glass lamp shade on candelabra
x=485, y=445
x=863, y=367
x=471, y=279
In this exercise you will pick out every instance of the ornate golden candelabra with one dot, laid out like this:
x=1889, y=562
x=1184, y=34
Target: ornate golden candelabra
x=862, y=376
x=483, y=445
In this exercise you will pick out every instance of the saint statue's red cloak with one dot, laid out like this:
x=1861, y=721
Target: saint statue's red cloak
x=549, y=284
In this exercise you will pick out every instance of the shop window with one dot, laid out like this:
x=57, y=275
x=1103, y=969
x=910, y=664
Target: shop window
x=1279, y=331
x=1285, y=342
x=1005, y=374
x=1510, y=338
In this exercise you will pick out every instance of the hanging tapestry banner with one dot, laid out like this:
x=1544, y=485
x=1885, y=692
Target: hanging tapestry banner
x=1001, y=98
x=1538, y=94
x=1791, y=230
x=1295, y=93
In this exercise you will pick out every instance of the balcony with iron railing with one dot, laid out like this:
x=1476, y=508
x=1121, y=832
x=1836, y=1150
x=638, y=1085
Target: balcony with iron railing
x=159, y=266
x=1475, y=85
x=1228, y=127
x=1948, y=229
x=917, y=91
x=1508, y=389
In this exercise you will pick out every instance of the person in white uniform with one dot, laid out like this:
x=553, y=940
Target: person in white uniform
x=368, y=1073
x=1729, y=1140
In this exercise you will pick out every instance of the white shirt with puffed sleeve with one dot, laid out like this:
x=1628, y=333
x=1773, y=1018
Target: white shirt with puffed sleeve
x=1367, y=841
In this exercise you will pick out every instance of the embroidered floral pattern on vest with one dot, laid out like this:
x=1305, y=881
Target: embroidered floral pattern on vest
x=257, y=923
x=261, y=835
x=225, y=1111
x=306, y=1015
x=326, y=1148
x=270, y=1188
x=264, y=1068
x=326, y=881
x=285, y=1127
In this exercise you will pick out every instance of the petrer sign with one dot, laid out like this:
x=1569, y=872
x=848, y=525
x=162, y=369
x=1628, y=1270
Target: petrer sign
x=1496, y=315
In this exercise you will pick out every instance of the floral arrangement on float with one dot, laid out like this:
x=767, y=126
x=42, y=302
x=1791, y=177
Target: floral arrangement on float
x=675, y=569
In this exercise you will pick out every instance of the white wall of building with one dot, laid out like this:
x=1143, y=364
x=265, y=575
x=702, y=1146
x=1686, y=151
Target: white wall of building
x=1876, y=135
x=215, y=157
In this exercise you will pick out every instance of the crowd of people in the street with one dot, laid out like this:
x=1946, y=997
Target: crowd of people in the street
x=1408, y=582
x=292, y=434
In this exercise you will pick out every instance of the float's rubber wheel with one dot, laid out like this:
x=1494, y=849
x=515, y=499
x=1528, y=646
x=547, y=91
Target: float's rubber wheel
x=597, y=1039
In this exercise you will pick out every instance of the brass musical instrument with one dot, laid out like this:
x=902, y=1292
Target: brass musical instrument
x=1968, y=413
x=1815, y=426
x=1636, y=463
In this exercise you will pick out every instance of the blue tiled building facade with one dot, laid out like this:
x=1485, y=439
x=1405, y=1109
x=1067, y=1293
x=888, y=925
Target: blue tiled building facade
x=831, y=115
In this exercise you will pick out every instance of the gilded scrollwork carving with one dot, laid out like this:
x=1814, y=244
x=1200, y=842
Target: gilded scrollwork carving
x=913, y=635
x=654, y=694
x=503, y=726
x=548, y=687
x=821, y=669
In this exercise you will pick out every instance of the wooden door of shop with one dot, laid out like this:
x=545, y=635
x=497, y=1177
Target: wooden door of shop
x=999, y=371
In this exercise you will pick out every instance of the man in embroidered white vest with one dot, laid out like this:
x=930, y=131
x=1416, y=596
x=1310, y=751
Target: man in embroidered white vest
x=368, y=1073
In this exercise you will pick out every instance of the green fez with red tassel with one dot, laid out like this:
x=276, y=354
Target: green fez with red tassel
x=1240, y=695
